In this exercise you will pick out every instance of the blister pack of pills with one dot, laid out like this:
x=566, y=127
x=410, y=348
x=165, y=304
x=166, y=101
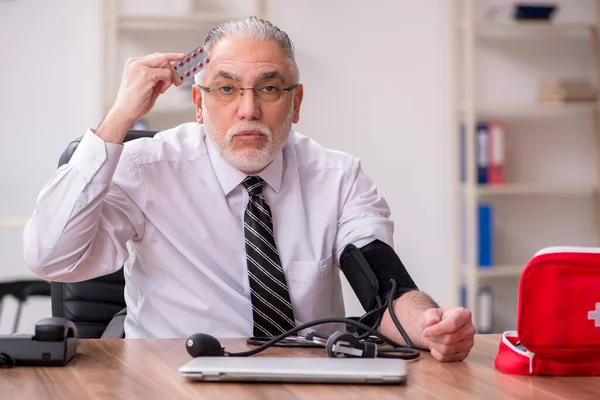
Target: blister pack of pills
x=192, y=63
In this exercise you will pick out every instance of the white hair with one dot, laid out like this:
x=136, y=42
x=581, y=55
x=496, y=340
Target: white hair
x=256, y=27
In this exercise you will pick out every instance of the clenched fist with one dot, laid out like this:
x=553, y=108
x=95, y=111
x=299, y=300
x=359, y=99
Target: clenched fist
x=449, y=333
x=144, y=79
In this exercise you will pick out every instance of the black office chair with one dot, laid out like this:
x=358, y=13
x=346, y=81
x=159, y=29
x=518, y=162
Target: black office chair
x=22, y=290
x=97, y=306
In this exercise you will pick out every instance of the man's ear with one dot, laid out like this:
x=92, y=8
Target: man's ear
x=197, y=98
x=298, y=96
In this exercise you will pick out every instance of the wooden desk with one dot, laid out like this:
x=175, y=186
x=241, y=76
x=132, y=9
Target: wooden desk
x=147, y=369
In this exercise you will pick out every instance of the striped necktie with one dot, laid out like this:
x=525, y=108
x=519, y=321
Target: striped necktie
x=271, y=306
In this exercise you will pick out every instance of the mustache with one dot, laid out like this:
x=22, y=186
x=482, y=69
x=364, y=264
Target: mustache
x=249, y=126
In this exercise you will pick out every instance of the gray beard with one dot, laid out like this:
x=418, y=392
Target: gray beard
x=260, y=158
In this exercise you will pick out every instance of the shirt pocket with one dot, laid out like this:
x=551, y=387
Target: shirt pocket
x=310, y=284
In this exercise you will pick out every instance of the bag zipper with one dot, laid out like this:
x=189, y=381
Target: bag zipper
x=527, y=353
x=531, y=355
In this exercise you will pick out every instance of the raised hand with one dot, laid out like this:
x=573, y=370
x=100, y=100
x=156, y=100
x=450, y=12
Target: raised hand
x=144, y=79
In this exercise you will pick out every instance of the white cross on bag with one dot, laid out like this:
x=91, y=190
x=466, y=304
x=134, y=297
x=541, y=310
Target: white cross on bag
x=594, y=315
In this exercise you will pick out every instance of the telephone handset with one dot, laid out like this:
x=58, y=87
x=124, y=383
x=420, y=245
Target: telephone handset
x=54, y=343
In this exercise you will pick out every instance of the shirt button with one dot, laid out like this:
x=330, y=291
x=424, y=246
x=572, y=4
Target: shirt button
x=98, y=161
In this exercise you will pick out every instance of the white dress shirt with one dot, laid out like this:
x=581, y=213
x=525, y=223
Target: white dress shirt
x=170, y=210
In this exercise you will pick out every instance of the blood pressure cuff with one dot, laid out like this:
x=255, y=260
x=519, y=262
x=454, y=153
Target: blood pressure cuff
x=369, y=270
x=558, y=317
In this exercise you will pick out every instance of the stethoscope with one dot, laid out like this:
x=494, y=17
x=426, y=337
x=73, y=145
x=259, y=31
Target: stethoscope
x=366, y=343
x=319, y=340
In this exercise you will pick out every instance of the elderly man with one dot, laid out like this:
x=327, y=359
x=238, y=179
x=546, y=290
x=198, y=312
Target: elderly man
x=232, y=225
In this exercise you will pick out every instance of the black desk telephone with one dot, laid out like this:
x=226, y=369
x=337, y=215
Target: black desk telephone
x=54, y=343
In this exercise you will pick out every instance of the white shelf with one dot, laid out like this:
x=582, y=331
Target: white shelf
x=500, y=271
x=178, y=103
x=527, y=109
x=529, y=27
x=13, y=223
x=567, y=105
x=175, y=107
x=198, y=21
x=530, y=188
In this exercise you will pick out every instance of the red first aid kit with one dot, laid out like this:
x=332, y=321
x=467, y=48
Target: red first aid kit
x=558, y=317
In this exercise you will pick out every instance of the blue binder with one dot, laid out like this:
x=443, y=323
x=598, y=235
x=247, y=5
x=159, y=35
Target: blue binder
x=485, y=235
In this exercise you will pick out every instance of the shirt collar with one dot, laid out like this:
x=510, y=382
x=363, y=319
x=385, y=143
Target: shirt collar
x=229, y=177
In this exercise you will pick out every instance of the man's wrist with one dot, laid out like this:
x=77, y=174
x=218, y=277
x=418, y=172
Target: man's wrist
x=113, y=128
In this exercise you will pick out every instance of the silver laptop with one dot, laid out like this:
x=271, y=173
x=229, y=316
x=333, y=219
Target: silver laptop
x=282, y=369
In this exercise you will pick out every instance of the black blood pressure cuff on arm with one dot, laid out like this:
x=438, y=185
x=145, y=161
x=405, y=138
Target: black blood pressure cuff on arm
x=369, y=270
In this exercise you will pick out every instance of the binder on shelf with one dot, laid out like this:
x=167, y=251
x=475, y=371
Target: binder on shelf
x=484, y=310
x=490, y=152
x=463, y=153
x=496, y=152
x=485, y=235
x=482, y=153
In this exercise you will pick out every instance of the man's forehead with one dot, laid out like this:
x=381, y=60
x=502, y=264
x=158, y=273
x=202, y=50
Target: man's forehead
x=247, y=51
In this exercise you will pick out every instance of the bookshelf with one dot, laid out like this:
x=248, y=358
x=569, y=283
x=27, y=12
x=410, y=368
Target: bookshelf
x=133, y=28
x=193, y=21
x=520, y=199
x=518, y=28
x=529, y=189
x=528, y=109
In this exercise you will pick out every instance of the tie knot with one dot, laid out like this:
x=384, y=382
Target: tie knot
x=254, y=185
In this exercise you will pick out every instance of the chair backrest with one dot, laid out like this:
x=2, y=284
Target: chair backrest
x=91, y=304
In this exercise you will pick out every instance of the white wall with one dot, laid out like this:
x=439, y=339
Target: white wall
x=376, y=85
x=50, y=73
x=376, y=78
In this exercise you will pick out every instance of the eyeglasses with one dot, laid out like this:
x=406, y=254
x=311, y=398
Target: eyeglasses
x=228, y=92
